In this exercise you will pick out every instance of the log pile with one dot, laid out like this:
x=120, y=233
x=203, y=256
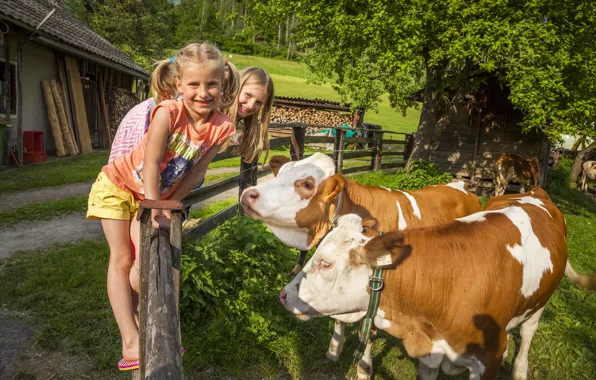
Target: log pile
x=283, y=115
x=123, y=101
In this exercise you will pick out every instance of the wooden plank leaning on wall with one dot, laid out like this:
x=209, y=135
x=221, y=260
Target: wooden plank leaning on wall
x=80, y=114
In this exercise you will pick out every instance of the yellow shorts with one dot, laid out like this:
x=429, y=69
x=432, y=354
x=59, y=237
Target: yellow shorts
x=108, y=201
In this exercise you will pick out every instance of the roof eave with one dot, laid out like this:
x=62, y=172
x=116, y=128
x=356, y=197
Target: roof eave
x=51, y=42
x=82, y=54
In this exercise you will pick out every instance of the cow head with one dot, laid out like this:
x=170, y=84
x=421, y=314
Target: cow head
x=279, y=202
x=335, y=280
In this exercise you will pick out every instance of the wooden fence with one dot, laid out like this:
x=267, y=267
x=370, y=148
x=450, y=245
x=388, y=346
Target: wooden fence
x=378, y=145
x=159, y=253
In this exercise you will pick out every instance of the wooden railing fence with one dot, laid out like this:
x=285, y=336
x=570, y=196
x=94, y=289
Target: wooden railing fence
x=159, y=253
x=250, y=172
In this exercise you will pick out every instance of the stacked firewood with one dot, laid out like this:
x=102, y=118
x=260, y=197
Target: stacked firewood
x=123, y=101
x=284, y=115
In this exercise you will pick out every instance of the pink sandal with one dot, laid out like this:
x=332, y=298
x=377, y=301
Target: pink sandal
x=127, y=365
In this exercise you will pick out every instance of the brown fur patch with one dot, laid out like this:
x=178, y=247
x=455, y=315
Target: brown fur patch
x=276, y=162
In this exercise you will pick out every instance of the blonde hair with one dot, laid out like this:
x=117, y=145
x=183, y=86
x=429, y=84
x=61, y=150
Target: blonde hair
x=162, y=79
x=256, y=137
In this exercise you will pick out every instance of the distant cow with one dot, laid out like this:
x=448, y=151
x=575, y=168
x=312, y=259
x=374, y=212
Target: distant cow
x=588, y=173
x=452, y=293
x=299, y=206
x=513, y=167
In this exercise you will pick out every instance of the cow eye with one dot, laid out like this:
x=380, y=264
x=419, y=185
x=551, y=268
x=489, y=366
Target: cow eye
x=325, y=265
x=307, y=185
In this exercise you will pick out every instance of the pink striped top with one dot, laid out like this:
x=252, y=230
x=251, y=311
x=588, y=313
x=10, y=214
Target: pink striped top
x=132, y=129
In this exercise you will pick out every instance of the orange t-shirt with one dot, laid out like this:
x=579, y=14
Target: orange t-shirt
x=185, y=147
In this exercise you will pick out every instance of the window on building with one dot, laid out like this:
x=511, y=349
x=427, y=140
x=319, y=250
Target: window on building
x=4, y=88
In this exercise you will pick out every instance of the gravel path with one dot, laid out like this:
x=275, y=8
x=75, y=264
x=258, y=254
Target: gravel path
x=54, y=193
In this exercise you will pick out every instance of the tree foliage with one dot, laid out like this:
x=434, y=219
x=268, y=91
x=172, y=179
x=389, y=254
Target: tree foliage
x=542, y=50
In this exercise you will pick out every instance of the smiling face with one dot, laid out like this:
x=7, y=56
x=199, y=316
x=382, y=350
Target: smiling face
x=277, y=202
x=201, y=86
x=251, y=98
x=329, y=285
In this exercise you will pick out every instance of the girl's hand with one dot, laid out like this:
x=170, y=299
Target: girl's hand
x=159, y=220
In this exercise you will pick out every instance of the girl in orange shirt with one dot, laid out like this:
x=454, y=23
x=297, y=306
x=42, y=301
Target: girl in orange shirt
x=185, y=135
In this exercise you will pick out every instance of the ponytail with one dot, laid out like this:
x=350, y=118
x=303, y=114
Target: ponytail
x=162, y=81
x=230, y=86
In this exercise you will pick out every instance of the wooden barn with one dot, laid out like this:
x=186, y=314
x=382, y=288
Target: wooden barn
x=483, y=129
x=42, y=43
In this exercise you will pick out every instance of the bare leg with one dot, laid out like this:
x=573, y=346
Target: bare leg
x=119, y=292
x=528, y=329
x=337, y=341
x=135, y=271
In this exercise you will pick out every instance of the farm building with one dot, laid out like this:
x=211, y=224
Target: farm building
x=41, y=41
x=483, y=129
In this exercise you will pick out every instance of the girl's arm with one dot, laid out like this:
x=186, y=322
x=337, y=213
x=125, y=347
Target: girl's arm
x=195, y=175
x=156, y=145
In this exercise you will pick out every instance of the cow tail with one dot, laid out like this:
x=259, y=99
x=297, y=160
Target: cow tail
x=583, y=281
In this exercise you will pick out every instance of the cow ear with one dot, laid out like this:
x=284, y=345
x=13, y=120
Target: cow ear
x=385, y=251
x=332, y=186
x=276, y=162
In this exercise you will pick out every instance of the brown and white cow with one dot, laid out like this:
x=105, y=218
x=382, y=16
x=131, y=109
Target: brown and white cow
x=452, y=292
x=516, y=168
x=588, y=173
x=299, y=205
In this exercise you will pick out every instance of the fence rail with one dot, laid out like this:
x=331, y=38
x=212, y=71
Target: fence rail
x=376, y=147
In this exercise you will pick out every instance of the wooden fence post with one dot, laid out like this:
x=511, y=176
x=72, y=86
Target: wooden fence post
x=297, y=145
x=408, y=147
x=377, y=152
x=248, y=177
x=159, y=332
x=338, y=149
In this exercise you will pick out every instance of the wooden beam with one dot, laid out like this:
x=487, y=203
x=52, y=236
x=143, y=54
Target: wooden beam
x=80, y=113
x=67, y=136
x=297, y=146
x=6, y=157
x=19, y=82
x=210, y=224
x=338, y=149
x=53, y=118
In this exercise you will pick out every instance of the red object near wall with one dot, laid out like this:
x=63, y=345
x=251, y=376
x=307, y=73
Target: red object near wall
x=33, y=141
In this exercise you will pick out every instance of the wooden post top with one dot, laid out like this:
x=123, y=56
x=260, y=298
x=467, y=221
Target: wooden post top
x=147, y=204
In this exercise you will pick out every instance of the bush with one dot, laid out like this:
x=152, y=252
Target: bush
x=420, y=174
x=559, y=178
x=238, y=273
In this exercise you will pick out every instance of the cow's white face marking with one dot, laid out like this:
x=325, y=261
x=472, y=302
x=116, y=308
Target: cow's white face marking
x=534, y=258
x=401, y=222
x=278, y=201
x=328, y=285
x=415, y=207
x=459, y=185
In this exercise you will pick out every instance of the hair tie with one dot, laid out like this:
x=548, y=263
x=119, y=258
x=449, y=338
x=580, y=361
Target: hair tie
x=225, y=61
x=172, y=60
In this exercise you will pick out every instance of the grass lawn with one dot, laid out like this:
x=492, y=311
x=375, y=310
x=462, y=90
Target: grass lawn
x=289, y=78
x=61, y=171
x=43, y=210
x=62, y=289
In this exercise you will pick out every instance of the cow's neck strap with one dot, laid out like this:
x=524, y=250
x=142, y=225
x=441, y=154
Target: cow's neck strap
x=335, y=217
x=375, y=282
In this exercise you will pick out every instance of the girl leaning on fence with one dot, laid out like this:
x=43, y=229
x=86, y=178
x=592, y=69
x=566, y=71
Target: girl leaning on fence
x=170, y=161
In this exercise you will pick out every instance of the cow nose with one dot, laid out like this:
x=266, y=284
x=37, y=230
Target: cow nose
x=283, y=297
x=250, y=196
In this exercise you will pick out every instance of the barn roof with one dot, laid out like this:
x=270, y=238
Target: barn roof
x=63, y=28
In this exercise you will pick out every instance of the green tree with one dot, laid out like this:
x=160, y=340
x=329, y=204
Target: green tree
x=543, y=50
